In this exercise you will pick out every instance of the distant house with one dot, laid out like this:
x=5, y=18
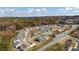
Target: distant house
x=72, y=21
x=16, y=44
x=41, y=38
x=23, y=46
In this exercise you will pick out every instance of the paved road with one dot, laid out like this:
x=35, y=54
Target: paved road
x=77, y=49
x=58, y=38
x=55, y=40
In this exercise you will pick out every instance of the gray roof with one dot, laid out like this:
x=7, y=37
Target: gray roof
x=23, y=46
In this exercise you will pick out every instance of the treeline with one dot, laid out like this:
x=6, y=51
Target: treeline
x=21, y=22
x=24, y=22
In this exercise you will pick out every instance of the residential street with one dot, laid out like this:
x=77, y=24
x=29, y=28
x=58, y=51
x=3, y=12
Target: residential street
x=58, y=38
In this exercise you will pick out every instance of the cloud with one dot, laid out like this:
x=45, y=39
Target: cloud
x=69, y=8
x=30, y=10
x=44, y=9
x=6, y=10
x=76, y=7
x=75, y=11
x=12, y=9
x=38, y=10
x=2, y=12
x=66, y=9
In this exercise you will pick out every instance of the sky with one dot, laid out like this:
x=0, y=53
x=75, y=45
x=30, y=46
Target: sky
x=37, y=11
